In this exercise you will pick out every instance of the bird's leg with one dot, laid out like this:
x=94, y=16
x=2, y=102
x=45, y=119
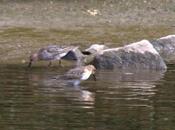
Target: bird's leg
x=79, y=62
x=60, y=63
x=95, y=79
x=30, y=63
x=50, y=64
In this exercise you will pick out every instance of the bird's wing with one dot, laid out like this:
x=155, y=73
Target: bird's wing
x=75, y=73
x=59, y=49
x=54, y=49
x=64, y=51
x=69, y=48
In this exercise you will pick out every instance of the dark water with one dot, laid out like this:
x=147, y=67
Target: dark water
x=31, y=99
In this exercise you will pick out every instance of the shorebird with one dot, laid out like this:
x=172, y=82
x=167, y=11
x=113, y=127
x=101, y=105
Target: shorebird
x=76, y=75
x=54, y=52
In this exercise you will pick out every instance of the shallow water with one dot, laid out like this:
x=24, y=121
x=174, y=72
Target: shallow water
x=32, y=99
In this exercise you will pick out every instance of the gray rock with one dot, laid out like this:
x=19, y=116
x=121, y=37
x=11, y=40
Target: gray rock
x=73, y=54
x=166, y=47
x=76, y=55
x=139, y=55
x=93, y=49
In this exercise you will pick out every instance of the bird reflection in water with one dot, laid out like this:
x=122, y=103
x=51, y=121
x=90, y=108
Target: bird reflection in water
x=51, y=86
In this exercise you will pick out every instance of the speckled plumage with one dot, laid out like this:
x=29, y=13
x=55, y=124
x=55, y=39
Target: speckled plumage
x=80, y=73
x=51, y=53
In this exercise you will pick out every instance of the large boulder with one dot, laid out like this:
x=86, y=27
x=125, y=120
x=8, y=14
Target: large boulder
x=94, y=49
x=139, y=55
x=166, y=47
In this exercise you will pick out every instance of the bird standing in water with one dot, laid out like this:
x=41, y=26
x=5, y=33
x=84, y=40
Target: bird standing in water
x=52, y=53
x=76, y=75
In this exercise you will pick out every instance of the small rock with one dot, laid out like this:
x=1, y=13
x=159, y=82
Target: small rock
x=93, y=12
x=19, y=45
x=23, y=61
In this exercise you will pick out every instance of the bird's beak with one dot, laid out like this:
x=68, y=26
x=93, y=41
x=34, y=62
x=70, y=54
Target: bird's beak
x=30, y=63
x=95, y=79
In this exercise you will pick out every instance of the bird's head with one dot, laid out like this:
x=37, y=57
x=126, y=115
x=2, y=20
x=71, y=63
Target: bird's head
x=32, y=58
x=93, y=70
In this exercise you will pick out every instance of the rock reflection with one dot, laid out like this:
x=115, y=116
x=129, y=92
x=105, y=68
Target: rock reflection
x=129, y=88
x=131, y=75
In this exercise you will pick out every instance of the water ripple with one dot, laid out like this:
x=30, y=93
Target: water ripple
x=33, y=99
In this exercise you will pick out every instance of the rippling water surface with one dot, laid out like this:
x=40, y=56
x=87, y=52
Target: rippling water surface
x=32, y=99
